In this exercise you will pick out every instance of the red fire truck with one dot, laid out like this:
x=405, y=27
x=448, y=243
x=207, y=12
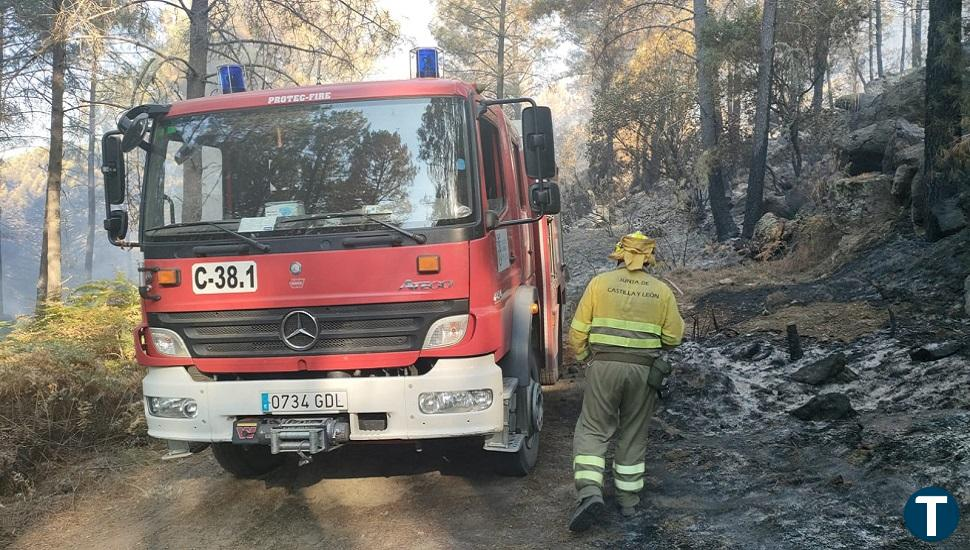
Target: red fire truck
x=340, y=264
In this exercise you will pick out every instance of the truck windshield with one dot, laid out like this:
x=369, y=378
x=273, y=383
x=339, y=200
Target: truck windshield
x=398, y=161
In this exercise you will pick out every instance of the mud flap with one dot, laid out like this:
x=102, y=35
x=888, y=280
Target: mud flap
x=516, y=362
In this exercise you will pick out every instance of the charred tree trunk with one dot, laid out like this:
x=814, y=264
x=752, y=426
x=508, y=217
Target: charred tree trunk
x=902, y=49
x=819, y=70
x=194, y=88
x=654, y=168
x=759, y=156
x=92, y=197
x=878, y=18
x=944, y=64
x=720, y=206
x=794, y=135
x=49, y=283
x=831, y=94
x=872, y=46
x=917, y=47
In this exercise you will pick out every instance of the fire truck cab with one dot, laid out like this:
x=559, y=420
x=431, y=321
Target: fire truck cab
x=339, y=264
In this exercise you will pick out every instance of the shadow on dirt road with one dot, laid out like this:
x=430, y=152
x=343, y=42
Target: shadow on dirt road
x=385, y=496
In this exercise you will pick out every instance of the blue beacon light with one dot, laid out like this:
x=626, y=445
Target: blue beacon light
x=231, y=78
x=427, y=63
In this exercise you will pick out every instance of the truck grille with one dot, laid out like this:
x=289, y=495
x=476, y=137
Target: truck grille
x=367, y=328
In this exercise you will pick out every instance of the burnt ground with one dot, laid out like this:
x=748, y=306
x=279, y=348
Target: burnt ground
x=728, y=465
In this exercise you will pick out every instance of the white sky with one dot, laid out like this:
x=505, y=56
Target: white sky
x=413, y=17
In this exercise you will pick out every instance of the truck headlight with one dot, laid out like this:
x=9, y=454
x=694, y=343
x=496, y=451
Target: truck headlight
x=168, y=342
x=440, y=402
x=172, y=407
x=446, y=332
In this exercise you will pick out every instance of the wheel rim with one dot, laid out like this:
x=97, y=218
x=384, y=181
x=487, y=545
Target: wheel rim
x=536, y=407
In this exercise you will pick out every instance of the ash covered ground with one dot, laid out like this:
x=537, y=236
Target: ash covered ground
x=730, y=465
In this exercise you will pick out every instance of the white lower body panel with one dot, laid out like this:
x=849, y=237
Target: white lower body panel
x=222, y=402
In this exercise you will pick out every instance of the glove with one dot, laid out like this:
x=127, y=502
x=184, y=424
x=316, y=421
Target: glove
x=657, y=379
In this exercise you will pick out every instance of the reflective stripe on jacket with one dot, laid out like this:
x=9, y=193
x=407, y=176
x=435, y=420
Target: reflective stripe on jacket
x=628, y=312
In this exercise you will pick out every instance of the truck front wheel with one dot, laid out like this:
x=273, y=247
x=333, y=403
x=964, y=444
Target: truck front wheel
x=246, y=461
x=521, y=462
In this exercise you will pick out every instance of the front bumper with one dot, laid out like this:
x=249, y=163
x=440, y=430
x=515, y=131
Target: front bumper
x=221, y=402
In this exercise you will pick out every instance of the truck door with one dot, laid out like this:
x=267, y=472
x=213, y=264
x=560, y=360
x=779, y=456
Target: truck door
x=520, y=187
x=513, y=246
x=497, y=178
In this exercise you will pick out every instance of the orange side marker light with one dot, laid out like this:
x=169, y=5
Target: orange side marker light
x=168, y=277
x=429, y=264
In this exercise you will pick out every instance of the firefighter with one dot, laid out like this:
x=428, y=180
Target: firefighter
x=623, y=321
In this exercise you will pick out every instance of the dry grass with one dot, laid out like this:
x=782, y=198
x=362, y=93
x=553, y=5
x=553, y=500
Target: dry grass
x=823, y=320
x=68, y=382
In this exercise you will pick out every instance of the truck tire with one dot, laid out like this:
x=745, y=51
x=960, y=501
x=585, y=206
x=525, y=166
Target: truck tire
x=246, y=461
x=521, y=462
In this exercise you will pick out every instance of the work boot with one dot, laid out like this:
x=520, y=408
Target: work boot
x=587, y=513
x=628, y=511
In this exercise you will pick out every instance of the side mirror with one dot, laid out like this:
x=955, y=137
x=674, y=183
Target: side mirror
x=116, y=224
x=545, y=197
x=113, y=169
x=540, y=151
x=133, y=130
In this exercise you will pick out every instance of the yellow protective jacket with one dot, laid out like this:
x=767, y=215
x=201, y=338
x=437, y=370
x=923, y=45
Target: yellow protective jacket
x=627, y=312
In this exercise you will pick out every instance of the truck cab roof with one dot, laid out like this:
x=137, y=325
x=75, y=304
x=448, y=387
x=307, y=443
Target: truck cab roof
x=419, y=87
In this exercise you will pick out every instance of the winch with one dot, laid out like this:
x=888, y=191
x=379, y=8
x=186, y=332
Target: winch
x=293, y=435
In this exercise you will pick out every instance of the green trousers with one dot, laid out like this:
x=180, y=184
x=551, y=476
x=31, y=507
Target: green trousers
x=617, y=402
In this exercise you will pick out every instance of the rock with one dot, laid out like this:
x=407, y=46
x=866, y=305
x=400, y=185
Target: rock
x=905, y=135
x=828, y=406
x=935, y=352
x=770, y=228
x=780, y=207
x=853, y=102
x=777, y=300
x=966, y=292
x=900, y=99
x=726, y=281
x=755, y=351
x=917, y=198
x=909, y=155
x=863, y=150
x=903, y=182
x=945, y=219
x=864, y=198
x=821, y=372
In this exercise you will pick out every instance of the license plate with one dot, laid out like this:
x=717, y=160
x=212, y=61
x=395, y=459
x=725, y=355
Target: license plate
x=224, y=277
x=327, y=401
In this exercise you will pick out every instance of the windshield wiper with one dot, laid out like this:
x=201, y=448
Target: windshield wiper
x=420, y=239
x=262, y=247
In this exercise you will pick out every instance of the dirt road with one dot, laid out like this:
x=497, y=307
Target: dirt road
x=357, y=497
x=727, y=466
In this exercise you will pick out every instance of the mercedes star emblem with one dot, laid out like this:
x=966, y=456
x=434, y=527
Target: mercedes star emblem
x=299, y=330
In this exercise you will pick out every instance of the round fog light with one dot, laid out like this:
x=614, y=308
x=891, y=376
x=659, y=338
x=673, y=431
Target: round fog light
x=190, y=408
